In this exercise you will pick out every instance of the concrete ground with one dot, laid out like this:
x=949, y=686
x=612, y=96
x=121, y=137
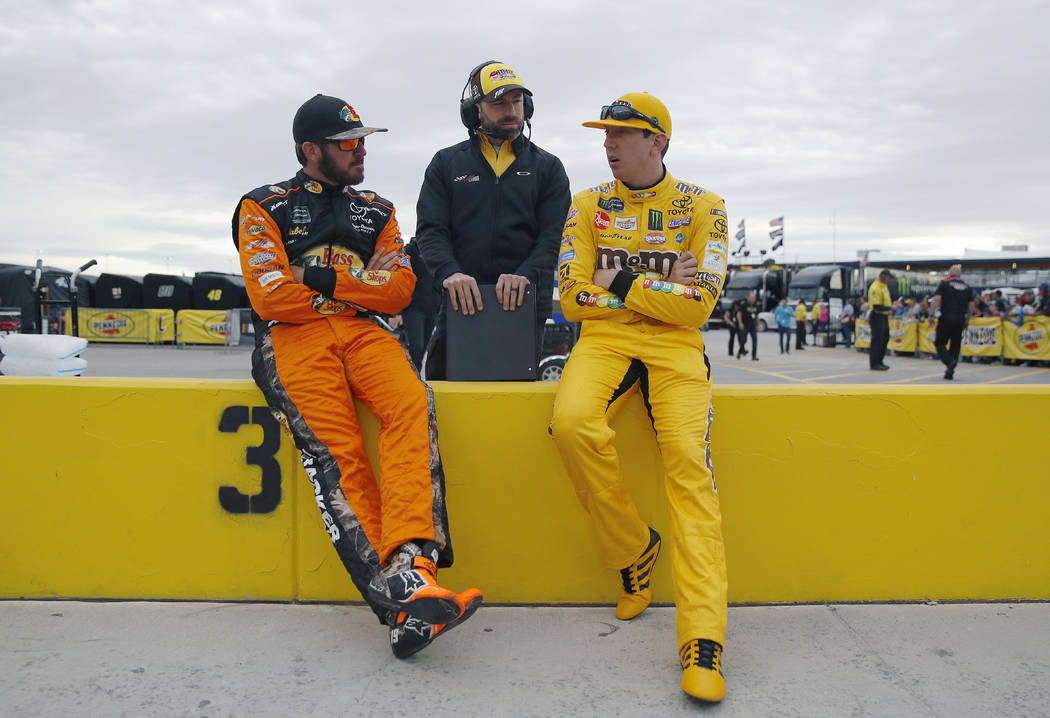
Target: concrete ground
x=62, y=658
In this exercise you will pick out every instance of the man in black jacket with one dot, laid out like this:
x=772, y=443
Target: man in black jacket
x=955, y=298
x=492, y=208
x=747, y=325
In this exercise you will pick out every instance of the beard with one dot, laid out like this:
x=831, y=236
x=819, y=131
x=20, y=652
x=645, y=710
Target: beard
x=354, y=175
x=494, y=129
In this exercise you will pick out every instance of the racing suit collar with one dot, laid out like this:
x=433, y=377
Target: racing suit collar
x=302, y=178
x=645, y=194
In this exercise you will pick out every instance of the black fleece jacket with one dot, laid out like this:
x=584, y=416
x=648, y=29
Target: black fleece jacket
x=468, y=220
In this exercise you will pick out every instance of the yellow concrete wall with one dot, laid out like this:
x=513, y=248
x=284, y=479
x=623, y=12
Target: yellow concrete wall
x=834, y=493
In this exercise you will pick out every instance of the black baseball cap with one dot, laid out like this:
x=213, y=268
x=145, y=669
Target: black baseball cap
x=323, y=117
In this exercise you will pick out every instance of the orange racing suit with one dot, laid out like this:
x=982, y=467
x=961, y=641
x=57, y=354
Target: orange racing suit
x=643, y=332
x=318, y=349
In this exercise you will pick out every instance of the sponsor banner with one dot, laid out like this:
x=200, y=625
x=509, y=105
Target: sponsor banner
x=927, y=334
x=983, y=337
x=124, y=325
x=201, y=326
x=10, y=321
x=863, y=338
x=1028, y=342
x=903, y=335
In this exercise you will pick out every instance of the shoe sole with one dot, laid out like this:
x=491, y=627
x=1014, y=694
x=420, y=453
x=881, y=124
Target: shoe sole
x=432, y=609
x=468, y=611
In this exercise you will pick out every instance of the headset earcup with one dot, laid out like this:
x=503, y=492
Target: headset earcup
x=527, y=105
x=468, y=114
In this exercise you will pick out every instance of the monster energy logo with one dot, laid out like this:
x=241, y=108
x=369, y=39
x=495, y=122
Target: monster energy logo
x=656, y=220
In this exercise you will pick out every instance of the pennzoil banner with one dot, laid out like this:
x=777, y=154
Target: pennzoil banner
x=983, y=337
x=124, y=325
x=1028, y=342
x=927, y=336
x=201, y=326
x=903, y=335
x=863, y=338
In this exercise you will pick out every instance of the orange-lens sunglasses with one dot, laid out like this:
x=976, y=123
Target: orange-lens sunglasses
x=348, y=145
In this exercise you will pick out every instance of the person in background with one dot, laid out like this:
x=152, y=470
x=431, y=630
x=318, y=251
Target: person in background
x=848, y=320
x=730, y=318
x=954, y=298
x=999, y=303
x=782, y=316
x=747, y=313
x=801, y=323
x=814, y=319
x=879, y=319
x=1043, y=301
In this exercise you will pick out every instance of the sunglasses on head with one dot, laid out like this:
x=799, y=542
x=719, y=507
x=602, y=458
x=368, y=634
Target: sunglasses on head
x=347, y=145
x=624, y=112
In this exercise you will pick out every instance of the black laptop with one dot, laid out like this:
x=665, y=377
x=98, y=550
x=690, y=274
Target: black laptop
x=493, y=344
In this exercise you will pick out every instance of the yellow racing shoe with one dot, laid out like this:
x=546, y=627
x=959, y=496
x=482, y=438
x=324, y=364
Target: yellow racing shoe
x=637, y=591
x=702, y=670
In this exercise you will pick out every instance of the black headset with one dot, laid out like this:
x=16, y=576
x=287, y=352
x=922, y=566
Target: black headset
x=468, y=115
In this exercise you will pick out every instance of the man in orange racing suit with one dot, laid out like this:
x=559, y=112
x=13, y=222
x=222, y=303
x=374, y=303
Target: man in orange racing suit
x=320, y=261
x=642, y=261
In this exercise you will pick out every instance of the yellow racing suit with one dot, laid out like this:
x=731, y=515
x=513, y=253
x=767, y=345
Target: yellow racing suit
x=644, y=332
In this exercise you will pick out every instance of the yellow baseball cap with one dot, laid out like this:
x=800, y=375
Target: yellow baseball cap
x=635, y=109
x=491, y=81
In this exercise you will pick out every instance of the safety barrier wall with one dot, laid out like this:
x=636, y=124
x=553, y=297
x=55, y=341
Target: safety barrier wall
x=187, y=489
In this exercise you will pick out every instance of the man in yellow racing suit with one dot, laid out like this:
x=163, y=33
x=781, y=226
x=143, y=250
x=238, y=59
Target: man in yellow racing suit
x=641, y=264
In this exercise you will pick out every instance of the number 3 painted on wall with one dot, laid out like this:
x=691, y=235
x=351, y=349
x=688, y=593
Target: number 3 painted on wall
x=263, y=456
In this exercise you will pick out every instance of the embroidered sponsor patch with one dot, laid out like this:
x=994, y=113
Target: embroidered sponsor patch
x=680, y=222
x=714, y=262
x=270, y=277
x=567, y=256
x=627, y=224
x=262, y=258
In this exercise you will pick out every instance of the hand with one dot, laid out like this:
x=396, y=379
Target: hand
x=683, y=271
x=463, y=292
x=382, y=260
x=510, y=287
x=604, y=277
x=395, y=322
x=297, y=273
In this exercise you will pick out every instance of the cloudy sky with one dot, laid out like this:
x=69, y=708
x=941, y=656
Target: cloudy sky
x=129, y=130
